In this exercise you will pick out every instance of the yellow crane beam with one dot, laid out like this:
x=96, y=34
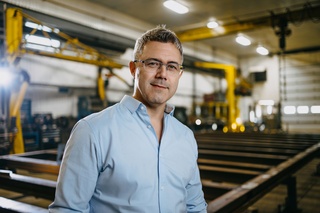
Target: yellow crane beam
x=273, y=20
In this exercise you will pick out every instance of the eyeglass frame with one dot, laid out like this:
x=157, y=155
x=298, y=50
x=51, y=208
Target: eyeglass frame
x=160, y=65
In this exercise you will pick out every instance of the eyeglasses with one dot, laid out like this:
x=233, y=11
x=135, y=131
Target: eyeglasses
x=152, y=65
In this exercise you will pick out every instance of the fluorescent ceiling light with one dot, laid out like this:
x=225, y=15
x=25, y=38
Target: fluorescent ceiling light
x=42, y=41
x=40, y=47
x=176, y=7
x=37, y=26
x=212, y=24
x=262, y=50
x=243, y=40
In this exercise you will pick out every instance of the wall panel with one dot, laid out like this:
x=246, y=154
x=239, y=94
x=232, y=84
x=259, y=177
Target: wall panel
x=300, y=89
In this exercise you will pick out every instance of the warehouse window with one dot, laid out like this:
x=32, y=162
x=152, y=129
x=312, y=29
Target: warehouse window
x=315, y=109
x=289, y=110
x=303, y=109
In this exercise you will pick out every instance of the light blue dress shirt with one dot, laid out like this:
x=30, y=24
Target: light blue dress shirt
x=113, y=162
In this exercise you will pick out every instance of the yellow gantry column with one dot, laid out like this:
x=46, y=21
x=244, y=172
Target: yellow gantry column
x=13, y=33
x=230, y=72
x=15, y=105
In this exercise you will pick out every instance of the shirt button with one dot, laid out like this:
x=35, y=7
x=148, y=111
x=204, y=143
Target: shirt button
x=149, y=126
x=142, y=108
x=161, y=187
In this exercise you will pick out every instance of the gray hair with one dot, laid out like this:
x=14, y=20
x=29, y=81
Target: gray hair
x=160, y=34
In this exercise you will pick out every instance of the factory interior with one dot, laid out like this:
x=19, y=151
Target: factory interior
x=250, y=93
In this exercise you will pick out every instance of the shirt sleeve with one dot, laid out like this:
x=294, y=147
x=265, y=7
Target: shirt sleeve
x=78, y=172
x=195, y=196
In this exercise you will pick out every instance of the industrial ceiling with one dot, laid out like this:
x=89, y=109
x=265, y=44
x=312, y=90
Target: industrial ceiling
x=261, y=21
x=287, y=26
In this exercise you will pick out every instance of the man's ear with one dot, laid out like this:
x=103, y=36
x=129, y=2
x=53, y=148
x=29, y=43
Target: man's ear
x=132, y=67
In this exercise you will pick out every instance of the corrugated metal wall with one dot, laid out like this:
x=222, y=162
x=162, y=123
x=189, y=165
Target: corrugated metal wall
x=300, y=92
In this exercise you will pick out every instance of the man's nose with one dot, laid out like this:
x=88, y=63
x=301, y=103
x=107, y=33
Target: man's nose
x=162, y=71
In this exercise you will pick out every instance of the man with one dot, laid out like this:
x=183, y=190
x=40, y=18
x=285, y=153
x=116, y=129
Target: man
x=135, y=156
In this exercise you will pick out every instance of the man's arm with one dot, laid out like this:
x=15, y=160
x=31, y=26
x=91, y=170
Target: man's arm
x=78, y=172
x=195, y=196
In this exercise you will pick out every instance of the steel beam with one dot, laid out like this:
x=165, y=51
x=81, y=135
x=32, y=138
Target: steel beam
x=30, y=161
x=240, y=198
x=12, y=206
x=26, y=185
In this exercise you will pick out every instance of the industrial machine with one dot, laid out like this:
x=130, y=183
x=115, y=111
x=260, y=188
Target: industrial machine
x=220, y=111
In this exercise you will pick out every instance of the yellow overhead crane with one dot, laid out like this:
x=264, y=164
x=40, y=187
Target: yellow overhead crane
x=307, y=12
x=15, y=43
x=16, y=47
x=233, y=111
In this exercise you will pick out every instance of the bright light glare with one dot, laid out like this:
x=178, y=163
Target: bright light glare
x=42, y=41
x=225, y=129
x=198, y=122
x=289, y=110
x=269, y=110
x=262, y=127
x=258, y=111
x=243, y=40
x=251, y=116
x=234, y=126
x=212, y=24
x=214, y=126
x=176, y=7
x=6, y=78
x=262, y=50
x=238, y=121
x=302, y=109
x=315, y=109
x=37, y=26
x=266, y=102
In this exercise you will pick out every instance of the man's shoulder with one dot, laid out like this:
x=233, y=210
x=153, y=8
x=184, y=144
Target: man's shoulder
x=104, y=115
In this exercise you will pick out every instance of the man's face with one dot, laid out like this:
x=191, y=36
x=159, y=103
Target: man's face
x=155, y=88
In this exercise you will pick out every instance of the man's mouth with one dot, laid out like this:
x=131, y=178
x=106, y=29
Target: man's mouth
x=160, y=86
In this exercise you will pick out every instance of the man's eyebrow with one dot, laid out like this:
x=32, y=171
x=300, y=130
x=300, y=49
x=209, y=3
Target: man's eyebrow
x=162, y=61
x=155, y=59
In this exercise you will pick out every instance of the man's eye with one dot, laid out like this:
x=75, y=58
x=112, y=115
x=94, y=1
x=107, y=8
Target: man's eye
x=153, y=64
x=172, y=66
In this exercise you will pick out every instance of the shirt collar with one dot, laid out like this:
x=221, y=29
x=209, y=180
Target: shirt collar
x=133, y=104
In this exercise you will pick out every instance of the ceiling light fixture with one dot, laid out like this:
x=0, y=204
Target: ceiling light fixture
x=38, y=40
x=262, y=50
x=37, y=26
x=241, y=39
x=212, y=24
x=176, y=6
